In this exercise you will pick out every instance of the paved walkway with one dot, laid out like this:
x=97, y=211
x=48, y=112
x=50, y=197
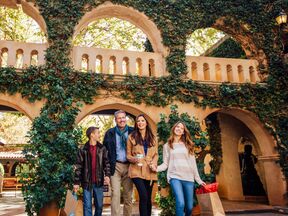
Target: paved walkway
x=11, y=205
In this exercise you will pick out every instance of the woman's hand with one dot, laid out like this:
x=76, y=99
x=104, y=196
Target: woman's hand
x=203, y=184
x=153, y=167
x=134, y=160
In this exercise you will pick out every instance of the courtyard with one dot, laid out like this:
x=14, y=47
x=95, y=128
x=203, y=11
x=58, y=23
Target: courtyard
x=217, y=67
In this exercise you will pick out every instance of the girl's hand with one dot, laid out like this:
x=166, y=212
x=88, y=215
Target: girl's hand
x=203, y=184
x=75, y=188
x=153, y=167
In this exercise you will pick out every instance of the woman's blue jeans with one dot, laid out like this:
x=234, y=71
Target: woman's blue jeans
x=183, y=191
x=98, y=201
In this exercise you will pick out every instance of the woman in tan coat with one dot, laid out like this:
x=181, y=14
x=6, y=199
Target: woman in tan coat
x=142, y=153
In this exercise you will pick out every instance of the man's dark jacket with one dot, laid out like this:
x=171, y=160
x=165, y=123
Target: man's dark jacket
x=83, y=172
x=110, y=144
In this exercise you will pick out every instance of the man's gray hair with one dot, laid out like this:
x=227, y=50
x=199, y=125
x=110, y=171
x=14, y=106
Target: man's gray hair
x=118, y=112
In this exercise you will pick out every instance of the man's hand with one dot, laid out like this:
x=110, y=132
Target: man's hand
x=106, y=180
x=75, y=188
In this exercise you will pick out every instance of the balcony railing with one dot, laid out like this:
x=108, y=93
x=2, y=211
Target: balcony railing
x=21, y=55
x=108, y=61
x=222, y=69
x=118, y=62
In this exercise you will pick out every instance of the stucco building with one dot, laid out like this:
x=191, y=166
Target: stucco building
x=234, y=123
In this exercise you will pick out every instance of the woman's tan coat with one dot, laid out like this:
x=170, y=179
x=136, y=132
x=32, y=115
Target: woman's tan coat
x=143, y=171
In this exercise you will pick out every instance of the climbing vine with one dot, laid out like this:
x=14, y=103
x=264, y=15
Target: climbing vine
x=53, y=137
x=228, y=49
x=214, y=133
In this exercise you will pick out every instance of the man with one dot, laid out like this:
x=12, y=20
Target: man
x=92, y=164
x=115, y=141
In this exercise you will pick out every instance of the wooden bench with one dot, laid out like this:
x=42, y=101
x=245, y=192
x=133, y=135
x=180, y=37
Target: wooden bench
x=11, y=183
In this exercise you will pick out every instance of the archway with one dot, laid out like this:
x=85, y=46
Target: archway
x=129, y=14
x=14, y=128
x=29, y=8
x=241, y=32
x=111, y=33
x=22, y=35
x=252, y=173
x=234, y=124
x=109, y=109
x=16, y=102
x=202, y=40
x=104, y=120
x=229, y=62
x=244, y=35
x=104, y=106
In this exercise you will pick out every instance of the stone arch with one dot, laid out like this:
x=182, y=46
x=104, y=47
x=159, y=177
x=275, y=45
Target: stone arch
x=242, y=34
x=31, y=110
x=140, y=20
x=30, y=9
x=114, y=103
x=246, y=41
x=267, y=154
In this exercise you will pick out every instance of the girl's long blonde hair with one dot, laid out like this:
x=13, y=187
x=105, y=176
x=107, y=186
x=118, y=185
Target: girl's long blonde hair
x=185, y=138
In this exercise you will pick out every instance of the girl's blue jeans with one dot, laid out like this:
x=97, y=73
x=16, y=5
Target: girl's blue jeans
x=183, y=192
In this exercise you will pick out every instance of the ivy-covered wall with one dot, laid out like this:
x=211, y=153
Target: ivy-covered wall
x=228, y=49
x=53, y=135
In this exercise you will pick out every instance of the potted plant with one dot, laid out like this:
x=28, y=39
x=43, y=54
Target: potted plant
x=50, y=209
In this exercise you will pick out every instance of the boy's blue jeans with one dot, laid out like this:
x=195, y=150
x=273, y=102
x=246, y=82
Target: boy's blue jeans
x=183, y=191
x=98, y=201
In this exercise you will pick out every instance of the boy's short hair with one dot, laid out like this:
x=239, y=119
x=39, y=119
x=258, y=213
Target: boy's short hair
x=90, y=130
x=118, y=112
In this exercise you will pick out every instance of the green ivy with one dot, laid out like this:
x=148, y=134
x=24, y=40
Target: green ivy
x=228, y=49
x=214, y=133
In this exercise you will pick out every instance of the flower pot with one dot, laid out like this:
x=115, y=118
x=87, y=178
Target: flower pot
x=196, y=210
x=50, y=209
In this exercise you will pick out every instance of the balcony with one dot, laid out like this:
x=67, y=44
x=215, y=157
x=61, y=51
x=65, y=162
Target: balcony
x=107, y=61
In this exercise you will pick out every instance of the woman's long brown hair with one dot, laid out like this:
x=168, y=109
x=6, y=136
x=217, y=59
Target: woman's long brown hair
x=149, y=136
x=185, y=138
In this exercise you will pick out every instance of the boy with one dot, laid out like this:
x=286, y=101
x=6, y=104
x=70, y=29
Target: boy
x=92, y=171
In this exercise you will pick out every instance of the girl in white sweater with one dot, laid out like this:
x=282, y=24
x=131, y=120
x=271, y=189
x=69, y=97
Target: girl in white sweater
x=178, y=157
